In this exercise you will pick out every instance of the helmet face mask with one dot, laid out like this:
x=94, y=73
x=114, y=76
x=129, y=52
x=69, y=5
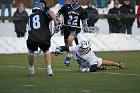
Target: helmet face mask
x=75, y=4
x=75, y=1
x=37, y=6
x=84, y=46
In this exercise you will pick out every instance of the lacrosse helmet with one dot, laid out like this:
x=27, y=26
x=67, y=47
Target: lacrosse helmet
x=75, y=4
x=37, y=5
x=85, y=44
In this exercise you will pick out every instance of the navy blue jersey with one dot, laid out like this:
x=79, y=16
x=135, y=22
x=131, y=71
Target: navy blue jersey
x=39, y=27
x=71, y=16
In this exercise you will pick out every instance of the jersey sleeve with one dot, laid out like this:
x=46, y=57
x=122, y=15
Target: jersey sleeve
x=46, y=11
x=62, y=10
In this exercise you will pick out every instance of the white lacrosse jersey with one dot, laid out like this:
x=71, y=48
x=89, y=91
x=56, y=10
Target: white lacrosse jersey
x=85, y=59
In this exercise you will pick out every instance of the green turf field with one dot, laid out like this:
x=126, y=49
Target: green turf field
x=14, y=77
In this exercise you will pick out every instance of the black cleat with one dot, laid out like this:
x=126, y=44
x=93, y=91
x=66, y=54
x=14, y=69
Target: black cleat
x=121, y=65
x=51, y=75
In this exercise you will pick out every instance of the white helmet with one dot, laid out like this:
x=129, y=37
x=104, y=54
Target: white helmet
x=85, y=44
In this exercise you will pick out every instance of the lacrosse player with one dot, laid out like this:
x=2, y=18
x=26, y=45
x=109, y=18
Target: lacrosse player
x=85, y=57
x=39, y=35
x=72, y=14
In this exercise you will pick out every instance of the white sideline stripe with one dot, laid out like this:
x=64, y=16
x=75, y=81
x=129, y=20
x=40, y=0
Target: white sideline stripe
x=86, y=91
x=12, y=66
x=28, y=85
x=36, y=68
x=74, y=70
x=121, y=74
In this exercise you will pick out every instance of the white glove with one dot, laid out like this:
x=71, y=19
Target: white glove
x=85, y=26
x=84, y=70
x=57, y=26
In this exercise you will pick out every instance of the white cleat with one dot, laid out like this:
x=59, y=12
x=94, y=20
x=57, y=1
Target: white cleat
x=31, y=70
x=50, y=72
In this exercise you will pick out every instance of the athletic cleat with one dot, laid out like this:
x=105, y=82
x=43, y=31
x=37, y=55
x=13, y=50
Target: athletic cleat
x=51, y=75
x=102, y=67
x=121, y=65
x=50, y=72
x=67, y=61
x=31, y=70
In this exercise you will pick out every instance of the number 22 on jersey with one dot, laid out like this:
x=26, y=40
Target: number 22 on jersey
x=72, y=20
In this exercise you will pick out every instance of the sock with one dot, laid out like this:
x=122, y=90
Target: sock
x=69, y=55
x=31, y=67
x=49, y=67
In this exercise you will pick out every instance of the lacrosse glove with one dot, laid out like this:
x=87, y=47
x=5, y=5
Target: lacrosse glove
x=57, y=26
x=58, y=51
x=85, y=26
x=84, y=69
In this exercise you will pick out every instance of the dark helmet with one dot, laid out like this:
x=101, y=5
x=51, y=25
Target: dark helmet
x=75, y=4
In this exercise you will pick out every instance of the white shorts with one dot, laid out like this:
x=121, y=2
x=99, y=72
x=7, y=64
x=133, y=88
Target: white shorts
x=97, y=61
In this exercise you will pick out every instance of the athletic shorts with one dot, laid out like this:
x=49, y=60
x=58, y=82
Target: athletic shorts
x=43, y=45
x=97, y=61
x=70, y=31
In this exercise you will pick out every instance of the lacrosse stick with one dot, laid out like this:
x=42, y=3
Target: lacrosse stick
x=91, y=29
x=94, y=30
x=52, y=34
x=57, y=53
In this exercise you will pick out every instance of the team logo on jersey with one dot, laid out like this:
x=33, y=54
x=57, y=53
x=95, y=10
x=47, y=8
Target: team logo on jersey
x=73, y=12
